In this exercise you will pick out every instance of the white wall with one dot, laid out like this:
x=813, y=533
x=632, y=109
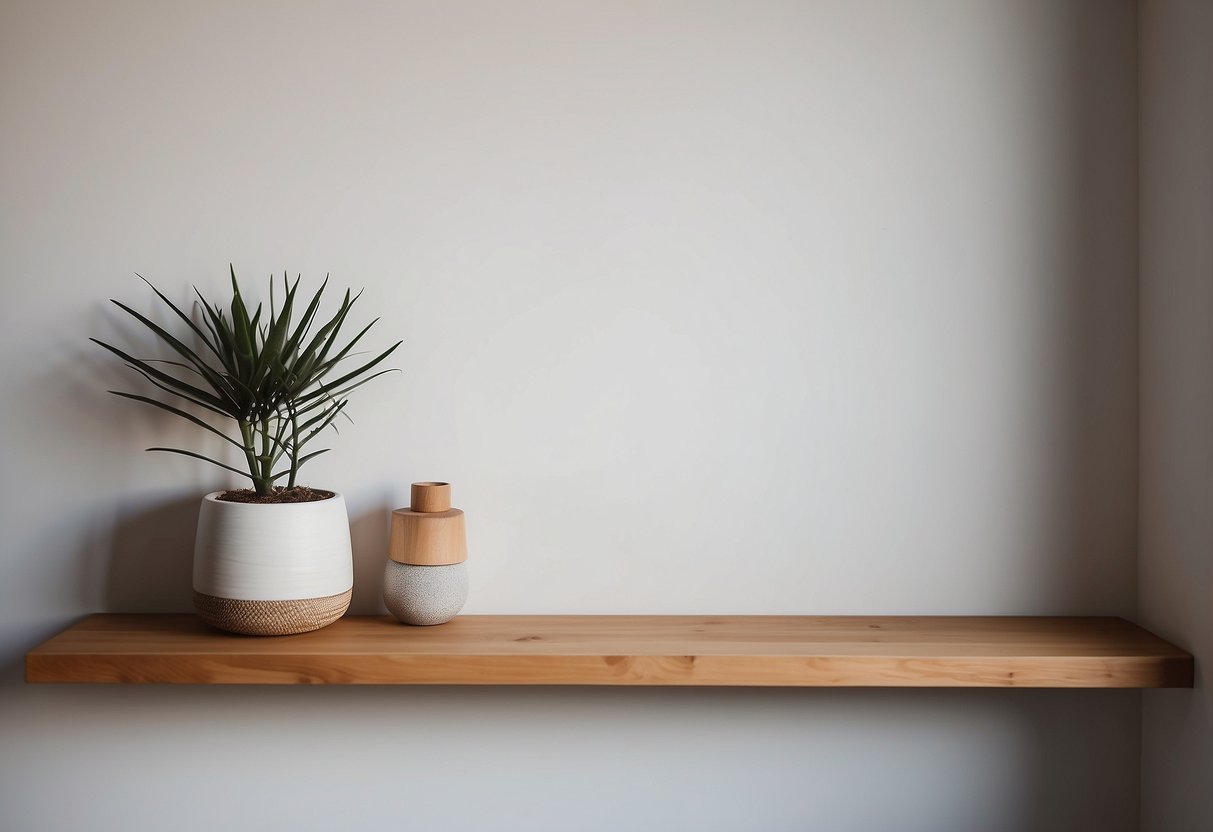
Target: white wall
x=708, y=307
x=1176, y=560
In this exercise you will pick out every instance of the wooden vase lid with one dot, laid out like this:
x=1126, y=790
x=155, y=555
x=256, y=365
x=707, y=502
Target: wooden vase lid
x=429, y=532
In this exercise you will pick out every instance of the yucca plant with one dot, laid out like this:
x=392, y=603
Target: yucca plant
x=280, y=382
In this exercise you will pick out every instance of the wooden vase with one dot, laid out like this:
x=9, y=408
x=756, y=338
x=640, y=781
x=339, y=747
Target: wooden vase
x=425, y=580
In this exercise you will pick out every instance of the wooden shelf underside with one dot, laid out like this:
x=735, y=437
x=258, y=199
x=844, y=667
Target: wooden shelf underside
x=777, y=651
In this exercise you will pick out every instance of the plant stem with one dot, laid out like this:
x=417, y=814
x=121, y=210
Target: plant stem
x=267, y=460
x=294, y=449
x=249, y=442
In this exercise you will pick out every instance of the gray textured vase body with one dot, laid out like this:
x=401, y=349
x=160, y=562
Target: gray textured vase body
x=425, y=594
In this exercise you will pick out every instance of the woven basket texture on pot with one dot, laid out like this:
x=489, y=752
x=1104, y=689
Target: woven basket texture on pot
x=271, y=618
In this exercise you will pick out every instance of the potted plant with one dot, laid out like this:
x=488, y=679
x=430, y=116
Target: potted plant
x=273, y=559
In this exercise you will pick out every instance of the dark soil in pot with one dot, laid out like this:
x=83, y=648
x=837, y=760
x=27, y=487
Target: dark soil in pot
x=298, y=494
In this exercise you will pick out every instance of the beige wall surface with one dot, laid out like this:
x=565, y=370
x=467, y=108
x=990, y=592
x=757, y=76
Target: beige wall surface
x=1176, y=557
x=723, y=307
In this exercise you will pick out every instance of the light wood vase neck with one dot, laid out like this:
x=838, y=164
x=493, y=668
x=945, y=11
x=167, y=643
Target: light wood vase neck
x=429, y=532
x=430, y=497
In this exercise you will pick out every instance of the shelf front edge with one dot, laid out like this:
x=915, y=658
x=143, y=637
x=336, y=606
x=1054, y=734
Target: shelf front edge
x=675, y=671
x=176, y=650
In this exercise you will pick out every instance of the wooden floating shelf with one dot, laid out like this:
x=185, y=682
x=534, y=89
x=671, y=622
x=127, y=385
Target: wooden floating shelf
x=774, y=651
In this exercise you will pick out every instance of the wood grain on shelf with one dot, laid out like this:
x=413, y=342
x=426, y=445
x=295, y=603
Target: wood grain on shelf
x=787, y=651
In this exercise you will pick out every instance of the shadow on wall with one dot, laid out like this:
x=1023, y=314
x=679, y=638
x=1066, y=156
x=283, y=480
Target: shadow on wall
x=369, y=536
x=1092, y=426
x=787, y=752
x=151, y=558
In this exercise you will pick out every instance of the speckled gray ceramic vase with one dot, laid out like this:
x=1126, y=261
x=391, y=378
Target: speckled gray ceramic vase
x=426, y=579
x=425, y=594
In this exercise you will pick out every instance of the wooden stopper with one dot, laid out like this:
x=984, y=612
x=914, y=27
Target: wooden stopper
x=429, y=532
x=430, y=496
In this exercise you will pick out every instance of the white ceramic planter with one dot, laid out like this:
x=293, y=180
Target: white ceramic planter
x=272, y=569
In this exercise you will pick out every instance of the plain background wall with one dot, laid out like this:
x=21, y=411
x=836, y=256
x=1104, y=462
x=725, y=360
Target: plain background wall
x=708, y=307
x=1176, y=557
